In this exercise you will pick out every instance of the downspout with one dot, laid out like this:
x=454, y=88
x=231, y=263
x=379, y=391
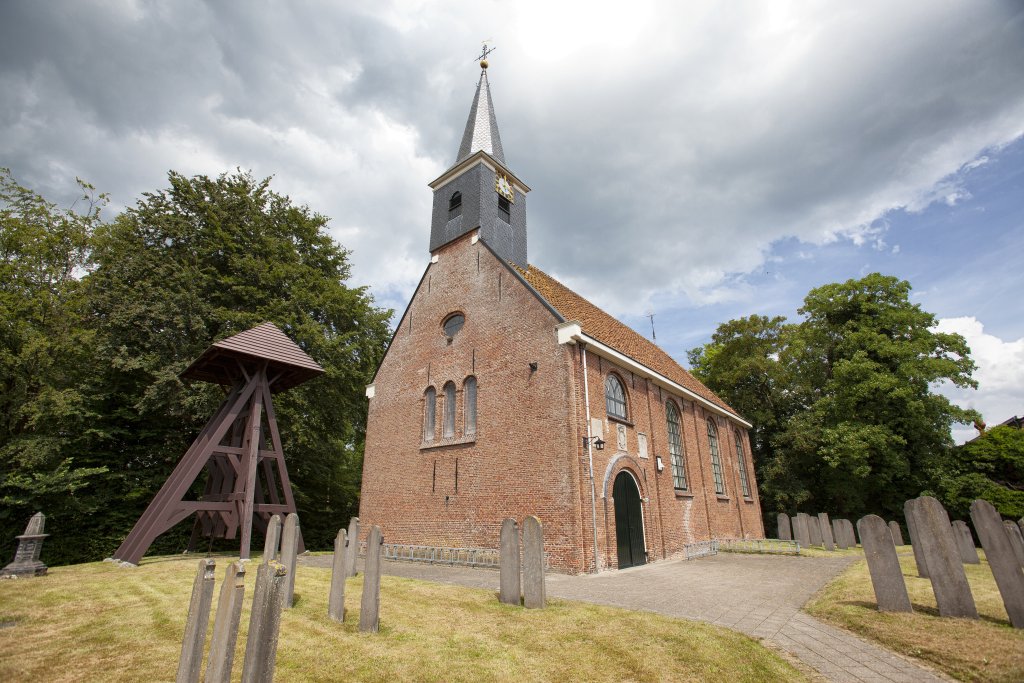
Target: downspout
x=590, y=450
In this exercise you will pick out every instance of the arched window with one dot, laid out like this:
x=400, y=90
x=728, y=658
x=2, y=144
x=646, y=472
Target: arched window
x=469, y=403
x=675, y=446
x=452, y=324
x=741, y=461
x=429, y=413
x=716, y=461
x=615, y=397
x=448, y=429
x=455, y=205
x=504, y=209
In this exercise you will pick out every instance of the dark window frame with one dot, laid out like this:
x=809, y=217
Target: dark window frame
x=742, y=463
x=675, y=445
x=448, y=424
x=716, y=458
x=429, y=414
x=611, y=402
x=469, y=416
x=448, y=319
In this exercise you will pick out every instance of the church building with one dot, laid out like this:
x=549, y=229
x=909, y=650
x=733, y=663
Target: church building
x=505, y=394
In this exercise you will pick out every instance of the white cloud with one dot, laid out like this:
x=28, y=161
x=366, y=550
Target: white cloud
x=1000, y=375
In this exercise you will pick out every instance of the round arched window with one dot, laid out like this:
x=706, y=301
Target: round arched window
x=453, y=323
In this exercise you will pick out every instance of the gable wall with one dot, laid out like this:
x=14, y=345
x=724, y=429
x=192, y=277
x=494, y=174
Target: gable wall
x=521, y=460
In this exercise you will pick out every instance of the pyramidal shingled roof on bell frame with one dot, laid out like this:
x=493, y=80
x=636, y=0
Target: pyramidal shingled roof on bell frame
x=263, y=342
x=610, y=332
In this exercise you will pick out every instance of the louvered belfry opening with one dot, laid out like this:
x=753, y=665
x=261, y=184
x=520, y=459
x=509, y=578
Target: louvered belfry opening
x=239, y=448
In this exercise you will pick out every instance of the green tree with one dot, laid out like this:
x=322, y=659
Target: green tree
x=45, y=355
x=204, y=259
x=989, y=467
x=852, y=425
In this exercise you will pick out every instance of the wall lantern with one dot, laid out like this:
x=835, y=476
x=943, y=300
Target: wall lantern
x=597, y=442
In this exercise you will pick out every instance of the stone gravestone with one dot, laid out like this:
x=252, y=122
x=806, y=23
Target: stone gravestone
x=191, y=660
x=965, y=543
x=369, y=607
x=289, y=552
x=815, y=529
x=850, y=535
x=265, y=623
x=509, y=561
x=272, y=541
x=534, y=589
x=897, y=533
x=1001, y=559
x=840, y=534
x=336, y=600
x=26, y=556
x=801, y=529
x=946, y=572
x=785, y=531
x=352, y=549
x=915, y=538
x=1016, y=540
x=225, y=625
x=884, y=566
x=826, y=531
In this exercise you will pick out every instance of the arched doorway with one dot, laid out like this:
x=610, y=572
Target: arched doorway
x=629, y=524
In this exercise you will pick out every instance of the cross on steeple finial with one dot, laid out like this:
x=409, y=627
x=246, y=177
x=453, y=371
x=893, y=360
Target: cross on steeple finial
x=483, y=54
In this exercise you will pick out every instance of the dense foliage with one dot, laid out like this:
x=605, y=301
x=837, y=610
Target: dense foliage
x=199, y=261
x=990, y=467
x=846, y=419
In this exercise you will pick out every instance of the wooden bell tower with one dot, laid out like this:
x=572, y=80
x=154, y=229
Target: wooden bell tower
x=240, y=447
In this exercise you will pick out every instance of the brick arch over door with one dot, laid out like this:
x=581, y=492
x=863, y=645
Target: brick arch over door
x=615, y=465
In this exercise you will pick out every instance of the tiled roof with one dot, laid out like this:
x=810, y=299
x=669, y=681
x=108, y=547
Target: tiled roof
x=481, y=127
x=609, y=331
x=265, y=342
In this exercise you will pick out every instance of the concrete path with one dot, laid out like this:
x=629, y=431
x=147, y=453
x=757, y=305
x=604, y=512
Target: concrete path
x=755, y=594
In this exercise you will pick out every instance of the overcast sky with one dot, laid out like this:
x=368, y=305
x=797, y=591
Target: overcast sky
x=701, y=161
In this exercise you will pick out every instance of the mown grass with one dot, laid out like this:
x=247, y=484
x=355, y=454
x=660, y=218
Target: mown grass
x=99, y=622
x=987, y=649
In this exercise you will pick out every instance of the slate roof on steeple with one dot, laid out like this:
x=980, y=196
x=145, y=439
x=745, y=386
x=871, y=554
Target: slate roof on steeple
x=481, y=128
x=606, y=329
x=285, y=360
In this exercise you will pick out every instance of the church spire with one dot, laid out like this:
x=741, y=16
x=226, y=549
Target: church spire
x=481, y=127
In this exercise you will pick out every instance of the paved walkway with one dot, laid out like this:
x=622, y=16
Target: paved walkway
x=754, y=594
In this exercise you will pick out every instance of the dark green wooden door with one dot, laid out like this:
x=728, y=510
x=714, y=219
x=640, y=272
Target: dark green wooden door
x=629, y=526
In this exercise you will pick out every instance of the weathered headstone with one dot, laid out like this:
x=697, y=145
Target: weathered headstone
x=369, y=607
x=225, y=625
x=884, y=566
x=840, y=534
x=1001, y=559
x=1020, y=523
x=534, y=589
x=826, y=531
x=265, y=623
x=1016, y=540
x=191, y=660
x=509, y=560
x=946, y=572
x=336, y=600
x=915, y=538
x=26, y=560
x=897, y=533
x=815, y=529
x=802, y=529
x=289, y=553
x=352, y=549
x=272, y=541
x=852, y=537
x=965, y=543
x=785, y=530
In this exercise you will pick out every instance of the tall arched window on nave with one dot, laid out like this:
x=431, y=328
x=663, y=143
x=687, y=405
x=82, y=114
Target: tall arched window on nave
x=675, y=446
x=469, y=401
x=716, y=460
x=429, y=413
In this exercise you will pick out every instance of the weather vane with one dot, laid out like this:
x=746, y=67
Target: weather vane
x=483, y=54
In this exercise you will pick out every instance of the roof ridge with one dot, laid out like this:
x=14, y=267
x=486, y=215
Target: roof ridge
x=620, y=336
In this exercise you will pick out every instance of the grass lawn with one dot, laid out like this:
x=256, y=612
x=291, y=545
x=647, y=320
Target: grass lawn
x=99, y=622
x=987, y=649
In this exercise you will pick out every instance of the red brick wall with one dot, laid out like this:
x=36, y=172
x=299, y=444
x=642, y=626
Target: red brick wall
x=528, y=455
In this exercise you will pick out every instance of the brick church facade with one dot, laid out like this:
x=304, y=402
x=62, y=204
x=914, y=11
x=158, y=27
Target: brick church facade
x=505, y=394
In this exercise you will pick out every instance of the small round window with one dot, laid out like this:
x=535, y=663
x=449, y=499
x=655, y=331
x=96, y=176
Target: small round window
x=453, y=323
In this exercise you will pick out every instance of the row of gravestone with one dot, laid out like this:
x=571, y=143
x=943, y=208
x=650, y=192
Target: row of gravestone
x=941, y=549
x=275, y=588
x=817, y=530
x=526, y=576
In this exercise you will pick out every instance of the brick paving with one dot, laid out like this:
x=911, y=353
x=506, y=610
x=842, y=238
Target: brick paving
x=754, y=594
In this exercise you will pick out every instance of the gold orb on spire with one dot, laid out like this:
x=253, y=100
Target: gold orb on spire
x=483, y=54
x=483, y=63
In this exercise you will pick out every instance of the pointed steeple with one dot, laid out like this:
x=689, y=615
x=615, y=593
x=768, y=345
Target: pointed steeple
x=481, y=127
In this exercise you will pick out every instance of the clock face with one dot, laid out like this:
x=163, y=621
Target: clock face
x=503, y=187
